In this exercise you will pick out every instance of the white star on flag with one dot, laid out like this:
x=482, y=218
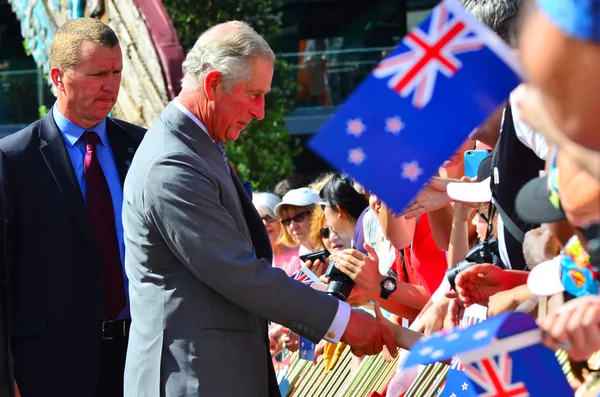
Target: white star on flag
x=356, y=156
x=452, y=337
x=355, y=127
x=394, y=125
x=480, y=334
x=437, y=354
x=411, y=171
x=425, y=351
x=453, y=395
x=465, y=386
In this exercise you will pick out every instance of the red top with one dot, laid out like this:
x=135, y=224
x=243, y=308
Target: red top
x=424, y=262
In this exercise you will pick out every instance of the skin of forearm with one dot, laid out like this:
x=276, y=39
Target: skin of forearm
x=459, y=242
x=393, y=306
x=515, y=278
x=440, y=222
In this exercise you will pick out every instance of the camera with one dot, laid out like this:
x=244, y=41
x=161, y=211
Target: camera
x=339, y=285
x=485, y=252
x=313, y=256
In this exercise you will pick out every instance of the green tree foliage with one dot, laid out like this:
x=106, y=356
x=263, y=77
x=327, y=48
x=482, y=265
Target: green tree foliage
x=264, y=152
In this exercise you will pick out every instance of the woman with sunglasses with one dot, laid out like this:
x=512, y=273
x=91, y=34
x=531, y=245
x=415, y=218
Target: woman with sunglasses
x=295, y=214
x=342, y=204
x=284, y=257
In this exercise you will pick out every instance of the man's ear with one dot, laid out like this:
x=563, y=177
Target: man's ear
x=213, y=82
x=57, y=77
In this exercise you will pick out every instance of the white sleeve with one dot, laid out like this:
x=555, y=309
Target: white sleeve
x=339, y=324
x=527, y=135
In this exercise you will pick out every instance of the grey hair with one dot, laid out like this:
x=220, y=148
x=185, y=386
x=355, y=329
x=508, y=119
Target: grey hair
x=266, y=202
x=230, y=53
x=498, y=15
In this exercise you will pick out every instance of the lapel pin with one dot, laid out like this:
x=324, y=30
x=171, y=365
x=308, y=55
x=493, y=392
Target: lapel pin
x=128, y=163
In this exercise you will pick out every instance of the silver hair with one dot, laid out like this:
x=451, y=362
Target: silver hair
x=230, y=53
x=266, y=202
x=498, y=15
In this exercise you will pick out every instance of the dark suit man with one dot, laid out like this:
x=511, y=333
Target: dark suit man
x=61, y=194
x=198, y=255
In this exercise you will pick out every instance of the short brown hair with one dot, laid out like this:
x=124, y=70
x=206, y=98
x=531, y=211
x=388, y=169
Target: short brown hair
x=66, y=44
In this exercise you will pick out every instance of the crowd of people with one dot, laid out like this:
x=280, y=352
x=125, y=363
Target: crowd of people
x=136, y=262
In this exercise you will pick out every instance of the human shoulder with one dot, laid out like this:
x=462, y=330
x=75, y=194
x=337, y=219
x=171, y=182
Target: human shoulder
x=19, y=141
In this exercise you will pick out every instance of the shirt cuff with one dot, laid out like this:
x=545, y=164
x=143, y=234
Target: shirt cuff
x=339, y=324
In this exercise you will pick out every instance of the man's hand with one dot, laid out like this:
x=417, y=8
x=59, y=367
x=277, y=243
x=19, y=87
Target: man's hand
x=433, y=319
x=574, y=327
x=477, y=283
x=431, y=198
x=367, y=335
x=363, y=269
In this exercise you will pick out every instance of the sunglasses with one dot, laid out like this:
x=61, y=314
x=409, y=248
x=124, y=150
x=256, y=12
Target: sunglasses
x=325, y=232
x=268, y=219
x=296, y=218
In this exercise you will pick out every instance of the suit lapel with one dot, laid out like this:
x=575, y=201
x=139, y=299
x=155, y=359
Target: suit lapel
x=52, y=148
x=258, y=232
x=123, y=146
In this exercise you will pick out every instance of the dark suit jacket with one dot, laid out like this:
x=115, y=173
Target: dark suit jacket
x=55, y=291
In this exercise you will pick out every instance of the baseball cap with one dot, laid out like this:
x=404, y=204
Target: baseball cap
x=538, y=201
x=571, y=271
x=474, y=192
x=298, y=198
x=579, y=19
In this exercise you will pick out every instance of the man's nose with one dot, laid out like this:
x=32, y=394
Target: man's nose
x=258, y=111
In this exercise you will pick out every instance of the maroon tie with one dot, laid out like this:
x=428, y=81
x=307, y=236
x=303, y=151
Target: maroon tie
x=102, y=215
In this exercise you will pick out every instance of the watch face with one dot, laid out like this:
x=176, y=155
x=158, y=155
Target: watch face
x=389, y=285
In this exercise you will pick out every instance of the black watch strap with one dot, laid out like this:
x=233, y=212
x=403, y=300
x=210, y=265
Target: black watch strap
x=386, y=292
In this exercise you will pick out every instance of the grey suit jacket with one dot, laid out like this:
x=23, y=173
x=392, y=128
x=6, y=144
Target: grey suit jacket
x=200, y=277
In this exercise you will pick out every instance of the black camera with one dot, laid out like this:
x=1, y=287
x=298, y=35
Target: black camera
x=339, y=285
x=485, y=252
x=313, y=256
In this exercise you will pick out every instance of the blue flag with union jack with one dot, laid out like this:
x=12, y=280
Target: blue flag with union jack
x=419, y=104
x=501, y=356
x=303, y=277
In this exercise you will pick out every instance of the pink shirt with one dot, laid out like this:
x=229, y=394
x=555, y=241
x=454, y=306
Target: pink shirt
x=289, y=261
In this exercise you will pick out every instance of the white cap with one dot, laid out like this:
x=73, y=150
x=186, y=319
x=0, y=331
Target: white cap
x=470, y=192
x=544, y=279
x=298, y=198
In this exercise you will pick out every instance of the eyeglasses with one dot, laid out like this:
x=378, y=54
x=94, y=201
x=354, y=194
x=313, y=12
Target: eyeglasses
x=325, y=232
x=268, y=219
x=296, y=218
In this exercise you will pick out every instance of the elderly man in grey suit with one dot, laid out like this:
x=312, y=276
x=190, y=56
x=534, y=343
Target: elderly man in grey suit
x=198, y=256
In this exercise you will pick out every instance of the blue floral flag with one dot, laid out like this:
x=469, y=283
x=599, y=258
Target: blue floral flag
x=501, y=356
x=419, y=104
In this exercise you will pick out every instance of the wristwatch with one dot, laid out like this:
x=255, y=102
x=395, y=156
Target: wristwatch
x=388, y=285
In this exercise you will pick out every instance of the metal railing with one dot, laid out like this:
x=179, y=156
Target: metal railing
x=22, y=94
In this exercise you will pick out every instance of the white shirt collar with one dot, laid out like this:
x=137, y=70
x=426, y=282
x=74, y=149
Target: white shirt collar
x=195, y=119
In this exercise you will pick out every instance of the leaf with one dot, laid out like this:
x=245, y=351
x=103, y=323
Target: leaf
x=265, y=151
